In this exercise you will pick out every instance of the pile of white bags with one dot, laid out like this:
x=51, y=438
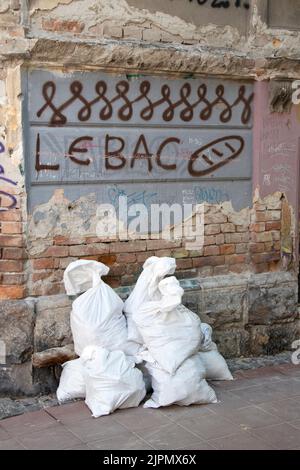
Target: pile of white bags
x=157, y=345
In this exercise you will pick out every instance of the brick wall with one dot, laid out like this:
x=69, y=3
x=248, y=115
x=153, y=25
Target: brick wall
x=233, y=243
x=12, y=193
x=12, y=255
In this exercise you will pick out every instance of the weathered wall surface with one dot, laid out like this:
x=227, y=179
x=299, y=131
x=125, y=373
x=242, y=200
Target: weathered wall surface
x=246, y=274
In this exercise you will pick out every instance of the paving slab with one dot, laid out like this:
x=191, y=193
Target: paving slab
x=259, y=410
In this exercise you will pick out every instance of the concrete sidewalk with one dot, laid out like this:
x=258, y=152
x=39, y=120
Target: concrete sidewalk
x=259, y=410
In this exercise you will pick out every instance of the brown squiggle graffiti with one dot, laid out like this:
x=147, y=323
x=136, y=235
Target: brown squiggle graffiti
x=126, y=111
x=224, y=155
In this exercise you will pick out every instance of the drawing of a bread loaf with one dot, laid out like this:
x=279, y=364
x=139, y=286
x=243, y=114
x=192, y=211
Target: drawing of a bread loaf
x=216, y=154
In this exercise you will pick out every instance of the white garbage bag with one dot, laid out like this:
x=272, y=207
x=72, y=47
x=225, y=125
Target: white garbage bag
x=112, y=381
x=96, y=316
x=213, y=362
x=188, y=386
x=170, y=332
x=146, y=288
x=71, y=384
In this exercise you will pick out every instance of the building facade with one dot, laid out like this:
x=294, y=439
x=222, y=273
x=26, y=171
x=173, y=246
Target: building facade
x=177, y=102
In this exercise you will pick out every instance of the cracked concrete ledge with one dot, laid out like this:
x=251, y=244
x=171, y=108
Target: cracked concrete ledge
x=174, y=59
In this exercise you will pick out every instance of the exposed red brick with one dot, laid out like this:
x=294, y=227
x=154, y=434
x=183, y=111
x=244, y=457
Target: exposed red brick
x=44, y=288
x=277, y=246
x=235, y=259
x=212, y=250
x=217, y=218
x=212, y=229
x=112, y=282
x=85, y=250
x=142, y=257
x=259, y=207
x=43, y=263
x=160, y=244
x=125, y=257
x=184, y=263
x=11, y=227
x=10, y=241
x=11, y=266
x=9, y=279
x=62, y=26
x=274, y=266
x=107, y=259
x=13, y=253
x=66, y=241
x=238, y=268
x=12, y=292
x=261, y=268
x=273, y=226
x=257, y=247
x=241, y=248
x=40, y=276
x=236, y=238
x=262, y=237
x=273, y=215
x=265, y=257
x=269, y=246
x=208, y=261
x=242, y=228
x=220, y=239
x=276, y=236
x=209, y=240
x=134, y=268
x=118, y=270
x=62, y=263
x=258, y=227
x=258, y=217
x=159, y=253
x=55, y=252
x=11, y=216
x=228, y=228
x=227, y=249
x=220, y=270
x=127, y=247
x=196, y=253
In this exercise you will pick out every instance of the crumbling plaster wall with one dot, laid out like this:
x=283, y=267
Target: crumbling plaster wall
x=52, y=33
x=252, y=312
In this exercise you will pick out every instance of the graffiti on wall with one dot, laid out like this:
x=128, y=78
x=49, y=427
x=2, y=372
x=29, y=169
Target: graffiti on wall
x=88, y=128
x=201, y=12
x=5, y=195
x=125, y=104
x=223, y=3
